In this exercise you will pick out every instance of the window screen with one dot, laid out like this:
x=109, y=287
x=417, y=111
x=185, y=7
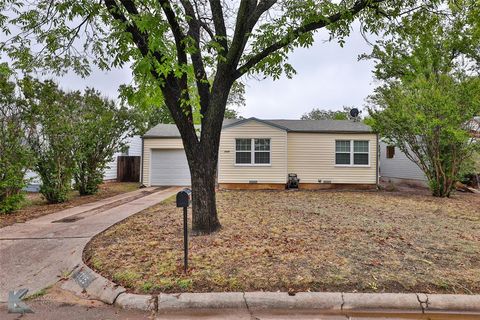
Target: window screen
x=243, y=152
x=360, y=152
x=342, y=152
x=262, y=151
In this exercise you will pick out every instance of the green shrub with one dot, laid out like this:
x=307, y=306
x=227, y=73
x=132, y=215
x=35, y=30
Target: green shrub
x=101, y=132
x=52, y=117
x=14, y=154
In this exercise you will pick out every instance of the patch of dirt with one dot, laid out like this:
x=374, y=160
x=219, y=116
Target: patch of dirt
x=59, y=295
x=302, y=241
x=35, y=206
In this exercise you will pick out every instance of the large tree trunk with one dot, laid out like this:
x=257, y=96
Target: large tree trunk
x=203, y=161
x=204, y=216
x=202, y=151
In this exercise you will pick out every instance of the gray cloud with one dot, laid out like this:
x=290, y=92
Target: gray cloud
x=328, y=76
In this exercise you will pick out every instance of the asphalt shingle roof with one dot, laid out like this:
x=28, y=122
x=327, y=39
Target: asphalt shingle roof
x=163, y=130
x=322, y=125
x=325, y=126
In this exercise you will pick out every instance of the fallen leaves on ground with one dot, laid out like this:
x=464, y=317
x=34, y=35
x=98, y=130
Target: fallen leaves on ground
x=302, y=241
x=35, y=206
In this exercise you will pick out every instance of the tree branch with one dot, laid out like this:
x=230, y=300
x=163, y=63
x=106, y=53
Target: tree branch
x=261, y=8
x=242, y=31
x=176, y=30
x=219, y=23
x=320, y=23
x=203, y=85
x=171, y=89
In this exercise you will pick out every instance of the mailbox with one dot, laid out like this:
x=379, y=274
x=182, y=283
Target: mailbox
x=184, y=198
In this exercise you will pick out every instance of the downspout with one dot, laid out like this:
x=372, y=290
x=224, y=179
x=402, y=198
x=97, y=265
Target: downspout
x=141, y=167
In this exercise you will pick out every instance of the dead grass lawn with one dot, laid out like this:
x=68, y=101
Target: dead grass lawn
x=300, y=241
x=35, y=206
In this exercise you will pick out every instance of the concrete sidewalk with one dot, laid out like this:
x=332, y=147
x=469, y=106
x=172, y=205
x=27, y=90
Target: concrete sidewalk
x=36, y=254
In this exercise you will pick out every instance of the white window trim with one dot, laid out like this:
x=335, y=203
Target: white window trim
x=352, y=152
x=252, y=154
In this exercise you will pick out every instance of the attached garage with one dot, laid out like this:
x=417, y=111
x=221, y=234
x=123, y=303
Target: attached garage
x=169, y=167
x=164, y=159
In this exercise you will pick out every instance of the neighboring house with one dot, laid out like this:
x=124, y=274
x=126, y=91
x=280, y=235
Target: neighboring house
x=34, y=181
x=397, y=168
x=260, y=154
x=474, y=127
x=133, y=148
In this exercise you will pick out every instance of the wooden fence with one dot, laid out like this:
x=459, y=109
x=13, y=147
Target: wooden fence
x=128, y=169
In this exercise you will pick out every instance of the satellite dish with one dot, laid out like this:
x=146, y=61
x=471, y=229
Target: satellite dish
x=354, y=112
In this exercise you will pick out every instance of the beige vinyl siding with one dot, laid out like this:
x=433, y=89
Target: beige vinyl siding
x=148, y=145
x=312, y=157
x=276, y=172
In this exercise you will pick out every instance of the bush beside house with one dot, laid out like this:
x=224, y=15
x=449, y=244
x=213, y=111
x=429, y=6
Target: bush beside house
x=61, y=136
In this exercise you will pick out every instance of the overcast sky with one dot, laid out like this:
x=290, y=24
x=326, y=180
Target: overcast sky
x=328, y=77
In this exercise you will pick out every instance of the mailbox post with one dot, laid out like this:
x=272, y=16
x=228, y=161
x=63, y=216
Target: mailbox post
x=184, y=198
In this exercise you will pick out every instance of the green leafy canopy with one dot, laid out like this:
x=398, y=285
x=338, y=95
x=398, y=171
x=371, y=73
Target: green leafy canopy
x=431, y=91
x=67, y=34
x=15, y=156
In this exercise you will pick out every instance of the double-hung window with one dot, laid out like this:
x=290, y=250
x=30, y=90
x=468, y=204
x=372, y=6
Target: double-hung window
x=342, y=152
x=352, y=152
x=252, y=151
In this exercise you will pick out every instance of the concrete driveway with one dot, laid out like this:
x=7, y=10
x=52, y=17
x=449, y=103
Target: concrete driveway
x=39, y=252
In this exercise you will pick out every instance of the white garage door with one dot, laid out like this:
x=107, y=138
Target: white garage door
x=169, y=168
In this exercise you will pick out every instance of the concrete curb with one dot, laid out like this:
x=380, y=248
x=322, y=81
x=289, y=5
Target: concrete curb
x=373, y=301
x=136, y=301
x=302, y=300
x=336, y=302
x=211, y=300
x=99, y=289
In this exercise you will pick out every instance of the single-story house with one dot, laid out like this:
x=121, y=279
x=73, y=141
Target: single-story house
x=259, y=154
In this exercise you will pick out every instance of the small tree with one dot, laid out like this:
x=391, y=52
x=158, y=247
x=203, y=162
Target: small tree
x=431, y=91
x=52, y=135
x=101, y=131
x=424, y=119
x=319, y=114
x=15, y=157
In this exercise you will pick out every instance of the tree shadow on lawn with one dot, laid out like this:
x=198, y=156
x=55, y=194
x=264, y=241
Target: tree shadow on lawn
x=301, y=241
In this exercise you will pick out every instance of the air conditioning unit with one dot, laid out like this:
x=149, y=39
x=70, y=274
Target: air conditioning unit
x=293, y=181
